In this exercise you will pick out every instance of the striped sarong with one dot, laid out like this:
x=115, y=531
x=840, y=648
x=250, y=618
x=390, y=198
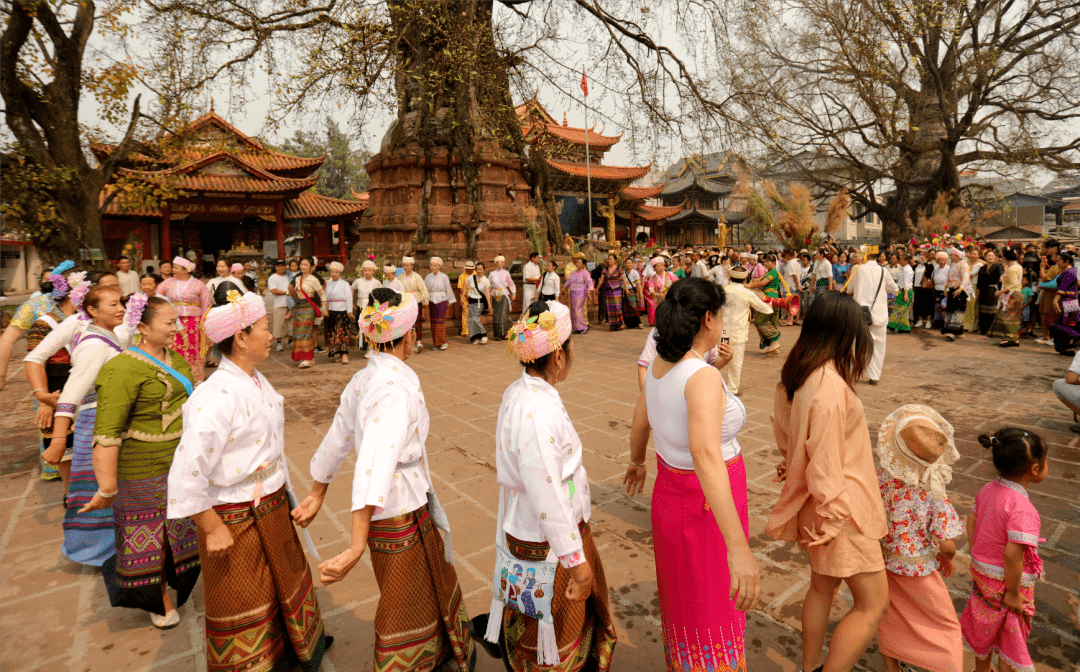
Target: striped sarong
x=303, y=345
x=149, y=547
x=583, y=630
x=438, y=322
x=420, y=622
x=261, y=610
x=88, y=537
x=614, y=306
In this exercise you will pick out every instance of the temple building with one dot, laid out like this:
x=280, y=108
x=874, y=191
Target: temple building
x=231, y=191
x=618, y=209
x=701, y=187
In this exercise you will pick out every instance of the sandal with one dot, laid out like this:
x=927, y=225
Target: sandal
x=306, y=364
x=169, y=620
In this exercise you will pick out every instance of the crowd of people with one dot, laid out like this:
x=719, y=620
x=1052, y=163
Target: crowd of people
x=169, y=477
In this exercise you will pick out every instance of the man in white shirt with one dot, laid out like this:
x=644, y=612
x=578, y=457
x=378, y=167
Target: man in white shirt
x=739, y=299
x=129, y=279
x=530, y=278
x=871, y=285
x=278, y=287
x=700, y=269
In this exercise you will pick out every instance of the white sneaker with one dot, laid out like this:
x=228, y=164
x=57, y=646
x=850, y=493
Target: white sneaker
x=279, y=348
x=419, y=348
x=483, y=341
x=367, y=354
x=443, y=346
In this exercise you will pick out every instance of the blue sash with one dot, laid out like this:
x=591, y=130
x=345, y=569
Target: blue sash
x=168, y=369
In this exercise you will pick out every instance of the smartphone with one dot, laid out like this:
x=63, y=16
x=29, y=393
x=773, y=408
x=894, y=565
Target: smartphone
x=724, y=340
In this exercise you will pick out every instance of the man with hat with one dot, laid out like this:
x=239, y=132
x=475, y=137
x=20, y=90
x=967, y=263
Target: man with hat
x=736, y=312
x=278, y=286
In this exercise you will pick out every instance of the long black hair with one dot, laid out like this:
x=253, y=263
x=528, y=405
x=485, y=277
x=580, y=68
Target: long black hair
x=834, y=330
x=678, y=317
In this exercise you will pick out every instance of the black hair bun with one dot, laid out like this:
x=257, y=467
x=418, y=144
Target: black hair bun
x=221, y=294
x=986, y=440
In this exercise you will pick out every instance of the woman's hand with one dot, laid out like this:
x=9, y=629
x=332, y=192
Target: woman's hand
x=97, y=503
x=817, y=538
x=945, y=565
x=55, y=452
x=305, y=512
x=635, y=479
x=745, y=577
x=580, y=586
x=335, y=569
x=219, y=541
x=44, y=416
x=724, y=354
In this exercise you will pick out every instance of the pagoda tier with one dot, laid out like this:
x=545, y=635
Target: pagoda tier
x=227, y=188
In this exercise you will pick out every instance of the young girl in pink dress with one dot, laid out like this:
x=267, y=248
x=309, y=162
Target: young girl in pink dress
x=1003, y=529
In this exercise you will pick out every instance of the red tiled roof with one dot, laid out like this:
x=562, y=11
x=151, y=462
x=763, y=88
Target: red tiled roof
x=265, y=159
x=365, y=196
x=257, y=180
x=309, y=205
x=599, y=172
x=573, y=135
x=115, y=209
x=640, y=193
x=653, y=213
x=533, y=105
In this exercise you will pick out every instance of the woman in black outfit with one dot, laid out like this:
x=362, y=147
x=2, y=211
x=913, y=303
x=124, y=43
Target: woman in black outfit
x=989, y=282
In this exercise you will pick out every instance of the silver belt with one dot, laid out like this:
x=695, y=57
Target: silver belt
x=261, y=475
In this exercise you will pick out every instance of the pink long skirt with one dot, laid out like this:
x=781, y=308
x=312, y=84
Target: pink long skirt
x=920, y=626
x=702, y=628
x=189, y=344
x=988, y=627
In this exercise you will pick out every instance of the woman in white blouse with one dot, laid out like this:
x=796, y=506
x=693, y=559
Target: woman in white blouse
x=420, y=622
x=363, y=286
x=230, y=476
x=549, y=283
x=700, y=514
x=89, y=538
x=340, y=314
x=544, y=511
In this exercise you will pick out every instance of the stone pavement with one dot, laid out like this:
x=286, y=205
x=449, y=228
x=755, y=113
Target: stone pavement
x=54, y=614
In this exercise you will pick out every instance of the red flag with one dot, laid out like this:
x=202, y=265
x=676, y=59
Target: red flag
x=584, y=84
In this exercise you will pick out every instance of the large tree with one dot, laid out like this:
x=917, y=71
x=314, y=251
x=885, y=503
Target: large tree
x=451, y=71
x=52, y=191
x=895, y=98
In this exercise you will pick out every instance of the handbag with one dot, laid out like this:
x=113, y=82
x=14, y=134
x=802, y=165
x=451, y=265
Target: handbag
x=483, y=299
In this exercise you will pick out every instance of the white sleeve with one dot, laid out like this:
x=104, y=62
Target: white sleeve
x=335, y=446
x=540, y=461
x=84, y=370
x=206, y=432
x=648, y=354
x=383, y=421
x=449, y=291
x=55, y=341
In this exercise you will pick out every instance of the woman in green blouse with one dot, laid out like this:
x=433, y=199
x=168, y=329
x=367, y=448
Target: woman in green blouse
x=768, y=326
x=138, y=426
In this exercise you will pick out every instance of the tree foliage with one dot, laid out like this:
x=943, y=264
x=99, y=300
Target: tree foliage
x=904, y=94
x=342, y=171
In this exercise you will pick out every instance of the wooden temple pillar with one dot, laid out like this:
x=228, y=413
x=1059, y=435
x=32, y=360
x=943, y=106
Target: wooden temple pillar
x=341, y=239
x=279, y=227
x=166, y=237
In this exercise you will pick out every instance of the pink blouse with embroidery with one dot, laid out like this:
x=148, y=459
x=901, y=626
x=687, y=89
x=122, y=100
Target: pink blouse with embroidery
x=1003, y=513
x=917, y=521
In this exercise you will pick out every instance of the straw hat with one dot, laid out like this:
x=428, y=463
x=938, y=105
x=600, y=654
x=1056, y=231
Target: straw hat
x=738, y=272
x=470, y=265
x=915, y=444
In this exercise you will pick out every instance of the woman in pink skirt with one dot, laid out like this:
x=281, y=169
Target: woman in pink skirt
x=705, y=574
x=191, y=298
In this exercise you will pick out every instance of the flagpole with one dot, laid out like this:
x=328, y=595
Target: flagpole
x=588, y=169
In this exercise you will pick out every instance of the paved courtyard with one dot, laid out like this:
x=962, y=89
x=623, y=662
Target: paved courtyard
x=55, y=615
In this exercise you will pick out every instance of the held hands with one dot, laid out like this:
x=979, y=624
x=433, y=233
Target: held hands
x=336, y=568
x=745, y=578
x=219, y=542
x=303, y=514
x=634, y=480
x=580, y=585
x=1015, y=603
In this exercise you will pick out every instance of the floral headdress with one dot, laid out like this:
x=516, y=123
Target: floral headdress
x=79, y=287
x=133, y=312
x=59, y=286
x=385, y=323
x=534, y=336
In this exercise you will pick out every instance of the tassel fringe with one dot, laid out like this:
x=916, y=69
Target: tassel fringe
x=547, y=647
x=495, y=619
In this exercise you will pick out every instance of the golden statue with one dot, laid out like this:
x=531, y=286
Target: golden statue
x=608, y=212
x=722, y=232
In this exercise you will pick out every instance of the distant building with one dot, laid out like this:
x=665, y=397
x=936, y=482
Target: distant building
x=1019, y=212
x=702, y=185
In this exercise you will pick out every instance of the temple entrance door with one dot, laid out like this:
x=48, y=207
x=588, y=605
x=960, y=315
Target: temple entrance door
x=216, y=238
